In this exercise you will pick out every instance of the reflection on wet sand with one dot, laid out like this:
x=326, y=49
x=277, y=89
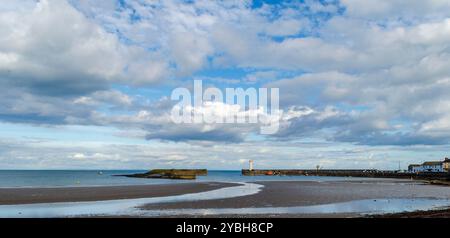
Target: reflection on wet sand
x=360, y=207
x=121, y=206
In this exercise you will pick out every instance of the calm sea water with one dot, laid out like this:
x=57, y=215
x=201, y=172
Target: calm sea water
x=82, y=178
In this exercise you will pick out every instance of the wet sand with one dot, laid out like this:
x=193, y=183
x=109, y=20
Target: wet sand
x=440, y=213
x=10, y=196
x=274, y=194
x=303, y=193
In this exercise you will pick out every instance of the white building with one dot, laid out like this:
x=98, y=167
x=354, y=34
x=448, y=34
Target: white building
x=433, y=166
x=430, y=166
x=415, y=168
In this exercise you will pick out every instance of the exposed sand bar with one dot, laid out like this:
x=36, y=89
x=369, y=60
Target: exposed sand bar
x=119, y=207
x=260, y=199
x=306, y=193
x=9, y=196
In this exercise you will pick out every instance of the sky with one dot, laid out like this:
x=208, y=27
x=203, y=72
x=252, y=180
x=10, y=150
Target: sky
x=86, y=84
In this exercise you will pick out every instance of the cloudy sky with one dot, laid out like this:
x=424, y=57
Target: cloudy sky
x=86, y=84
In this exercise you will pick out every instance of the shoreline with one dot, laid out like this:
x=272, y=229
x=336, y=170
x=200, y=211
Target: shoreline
x=17, y=196
x=435, y=213
x=291, y=199
x=306, y=194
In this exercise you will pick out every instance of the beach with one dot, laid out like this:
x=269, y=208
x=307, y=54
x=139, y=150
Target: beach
x=339, y=198
x=304, y=193
x=14, y=196
x=295, y=194
x=436, y=213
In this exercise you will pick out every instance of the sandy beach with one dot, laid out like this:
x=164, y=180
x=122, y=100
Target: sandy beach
x=9, y=196
x=305, y=193
x=281, y=198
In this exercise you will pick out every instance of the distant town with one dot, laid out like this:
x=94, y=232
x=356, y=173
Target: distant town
x=430, y=166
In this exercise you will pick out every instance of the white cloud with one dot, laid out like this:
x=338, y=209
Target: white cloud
x=113, y=97
x=54, y=34
x=79, y=156
x=190, y=51
x=376, y=74
x=52, y=44
x=396, y=9
x=285, y=27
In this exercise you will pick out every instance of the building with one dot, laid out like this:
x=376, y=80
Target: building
x=430, y=166
x=415, y=168
x=446, y=164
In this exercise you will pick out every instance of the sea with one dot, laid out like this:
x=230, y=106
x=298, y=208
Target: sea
x=88, y=178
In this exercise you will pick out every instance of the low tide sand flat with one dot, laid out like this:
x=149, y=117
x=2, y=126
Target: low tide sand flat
x=306, y=193
x=287, y=198
x=76, y=194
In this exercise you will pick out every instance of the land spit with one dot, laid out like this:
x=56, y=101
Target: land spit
x=170, y=174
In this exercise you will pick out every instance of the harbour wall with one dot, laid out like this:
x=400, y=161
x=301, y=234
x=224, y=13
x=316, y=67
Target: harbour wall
x=347, y=173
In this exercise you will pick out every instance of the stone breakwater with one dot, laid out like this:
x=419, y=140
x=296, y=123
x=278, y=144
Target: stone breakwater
x=347, y=173
x=170, y=174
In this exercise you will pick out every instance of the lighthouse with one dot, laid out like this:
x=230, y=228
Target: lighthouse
x=250, y=164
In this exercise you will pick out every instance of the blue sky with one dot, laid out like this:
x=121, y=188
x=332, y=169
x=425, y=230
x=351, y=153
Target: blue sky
x=86, y=84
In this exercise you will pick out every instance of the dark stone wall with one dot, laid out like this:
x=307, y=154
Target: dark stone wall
x=347, y=173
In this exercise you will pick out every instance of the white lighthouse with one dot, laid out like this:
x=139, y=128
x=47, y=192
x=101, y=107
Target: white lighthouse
x=250, y=164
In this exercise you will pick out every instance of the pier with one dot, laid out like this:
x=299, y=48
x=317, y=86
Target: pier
x=370, y=173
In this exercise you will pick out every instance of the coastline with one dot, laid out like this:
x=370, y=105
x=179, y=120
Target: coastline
x=15, y=196
x=302, y=199
x=295, y=195
x=435, y=213
x=306, y=193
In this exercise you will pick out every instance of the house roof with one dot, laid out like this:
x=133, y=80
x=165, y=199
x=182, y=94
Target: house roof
x=414, y=165
x=432, y=163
